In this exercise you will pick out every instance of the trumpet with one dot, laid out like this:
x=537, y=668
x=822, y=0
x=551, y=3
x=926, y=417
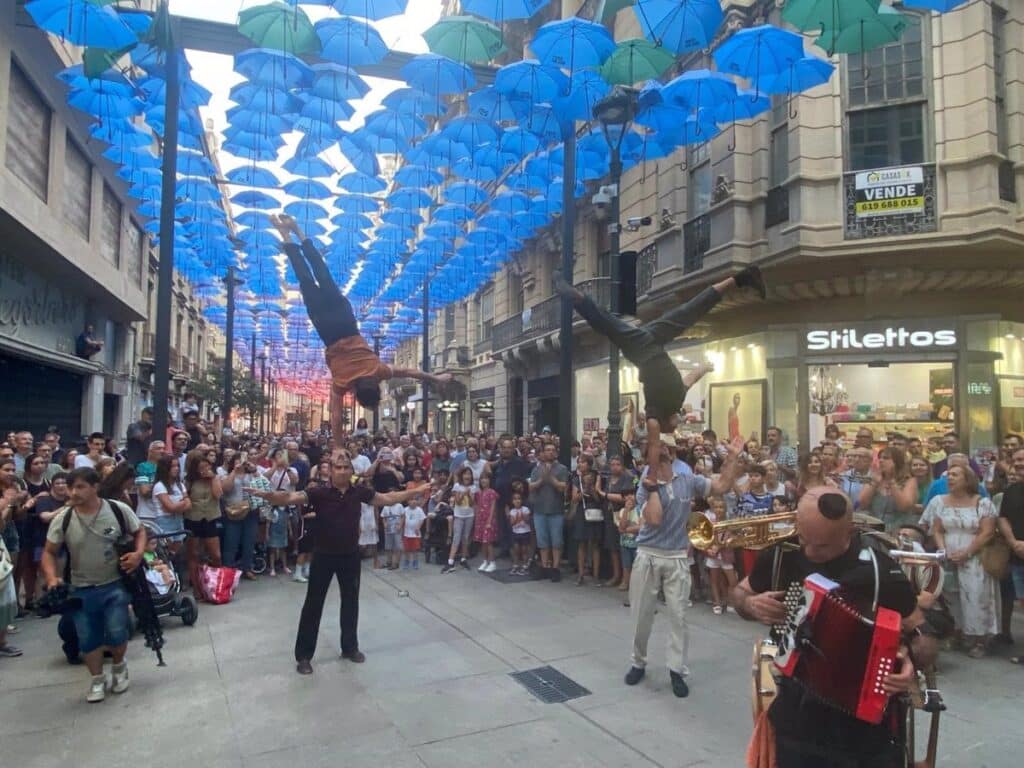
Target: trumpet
x=747, y=532
x=912, y=557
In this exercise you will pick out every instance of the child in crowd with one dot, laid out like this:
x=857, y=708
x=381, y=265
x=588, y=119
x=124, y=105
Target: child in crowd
x=413, y=519
x=392, y=515
x=157, y=572
x=720, y=562
x=462, y=506
x=519, y=519
x=439, y=521
x=486, y=524
x=368, y=535
x=628, y=521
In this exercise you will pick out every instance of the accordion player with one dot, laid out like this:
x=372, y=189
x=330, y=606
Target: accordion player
x=814, y=725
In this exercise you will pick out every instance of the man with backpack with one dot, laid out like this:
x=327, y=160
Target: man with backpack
x=94, y=531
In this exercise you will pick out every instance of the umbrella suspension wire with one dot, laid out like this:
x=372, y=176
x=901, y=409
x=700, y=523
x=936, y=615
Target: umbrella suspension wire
x=732, y=148
x=792, y=100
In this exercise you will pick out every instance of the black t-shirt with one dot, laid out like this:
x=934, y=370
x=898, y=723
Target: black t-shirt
x=1012, y=508
x=313, y=452
x=337, y=517
x=516, y=468
x=664, y=390
x=195, y=437
x=795, y=714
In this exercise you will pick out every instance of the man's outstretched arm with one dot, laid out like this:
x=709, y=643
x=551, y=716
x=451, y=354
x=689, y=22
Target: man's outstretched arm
x=415, y=373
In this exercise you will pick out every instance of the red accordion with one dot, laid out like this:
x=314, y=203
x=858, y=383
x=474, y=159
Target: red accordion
x=839, y=655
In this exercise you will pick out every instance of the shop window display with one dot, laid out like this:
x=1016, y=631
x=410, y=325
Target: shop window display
x=914, y=399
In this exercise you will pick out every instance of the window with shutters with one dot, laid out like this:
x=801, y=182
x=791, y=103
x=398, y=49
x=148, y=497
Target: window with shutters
x=698, y=190
x=449, y=324
x=77, y=188
x=485, y=316
x=28, y=133
x=779, y=146
x=110, y=236
x=999, y=72
x=135, y=256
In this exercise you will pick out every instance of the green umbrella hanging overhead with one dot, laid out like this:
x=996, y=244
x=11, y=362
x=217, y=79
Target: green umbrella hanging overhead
x=829, y=17
x=465, y=38
x=279, y=26
x=636, y=60
x=884, y=27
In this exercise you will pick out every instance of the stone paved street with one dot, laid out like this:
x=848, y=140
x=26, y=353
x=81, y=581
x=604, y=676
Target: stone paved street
x=435, y=690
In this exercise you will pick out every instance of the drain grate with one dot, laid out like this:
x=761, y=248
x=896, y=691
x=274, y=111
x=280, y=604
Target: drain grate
x=549, y=685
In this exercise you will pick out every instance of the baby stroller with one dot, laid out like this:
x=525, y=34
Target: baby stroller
x=168, y=598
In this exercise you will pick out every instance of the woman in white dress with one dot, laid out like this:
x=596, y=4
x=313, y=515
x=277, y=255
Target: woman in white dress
x=962, y=523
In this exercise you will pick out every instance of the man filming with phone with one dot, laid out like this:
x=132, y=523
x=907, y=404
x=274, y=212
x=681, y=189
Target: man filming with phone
x=93, y=530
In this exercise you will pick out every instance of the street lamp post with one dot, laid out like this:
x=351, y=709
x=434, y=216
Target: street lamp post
x=615, y=112
x=230, y=283
x=262, y=357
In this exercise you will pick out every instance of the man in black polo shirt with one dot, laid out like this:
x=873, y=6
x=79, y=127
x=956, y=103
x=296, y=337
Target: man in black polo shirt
x=337, y=507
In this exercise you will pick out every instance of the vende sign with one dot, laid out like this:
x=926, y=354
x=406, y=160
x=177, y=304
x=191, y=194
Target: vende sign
x=893, y=337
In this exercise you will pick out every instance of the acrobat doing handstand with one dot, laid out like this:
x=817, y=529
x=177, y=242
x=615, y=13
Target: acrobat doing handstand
x=353, y=365
x=644, y=346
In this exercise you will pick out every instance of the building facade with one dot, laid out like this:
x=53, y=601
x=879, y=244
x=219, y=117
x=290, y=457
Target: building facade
x=884, y=210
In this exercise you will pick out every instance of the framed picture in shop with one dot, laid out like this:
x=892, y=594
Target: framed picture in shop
x=738, y=408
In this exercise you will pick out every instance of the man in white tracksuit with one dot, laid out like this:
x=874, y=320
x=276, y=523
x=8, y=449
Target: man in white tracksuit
x=662, y=563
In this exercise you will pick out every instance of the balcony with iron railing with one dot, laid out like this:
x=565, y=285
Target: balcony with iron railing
x=545, y=317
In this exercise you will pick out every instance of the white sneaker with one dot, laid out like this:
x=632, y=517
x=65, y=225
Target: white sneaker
x=483, y=567
x=489, y=567
x=119, y=679
x=300, y=575
x=97, y=689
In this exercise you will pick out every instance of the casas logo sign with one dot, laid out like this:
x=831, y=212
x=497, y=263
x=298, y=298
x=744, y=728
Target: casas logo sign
x=889, y=338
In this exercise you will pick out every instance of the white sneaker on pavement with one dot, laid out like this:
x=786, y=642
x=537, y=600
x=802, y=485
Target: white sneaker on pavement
x=483, y=567
x=119, y=678
x=97, y=689
x=489, y=567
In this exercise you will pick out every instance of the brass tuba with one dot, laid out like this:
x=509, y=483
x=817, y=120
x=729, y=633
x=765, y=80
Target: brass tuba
x=747, y=532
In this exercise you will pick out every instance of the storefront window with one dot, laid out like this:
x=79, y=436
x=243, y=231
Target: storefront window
x=785, y=403
x=913, y=399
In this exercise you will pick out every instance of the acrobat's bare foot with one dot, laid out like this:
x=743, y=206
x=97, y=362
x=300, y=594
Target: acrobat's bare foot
x=571, y=292
x=692, y=377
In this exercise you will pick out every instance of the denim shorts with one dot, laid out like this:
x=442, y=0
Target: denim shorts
x=628, y=556
x=549, y=531
x=103, y=618
x=1017, y=574
x=392, y=542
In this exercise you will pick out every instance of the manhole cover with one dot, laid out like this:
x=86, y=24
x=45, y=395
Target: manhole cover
x=549, y=685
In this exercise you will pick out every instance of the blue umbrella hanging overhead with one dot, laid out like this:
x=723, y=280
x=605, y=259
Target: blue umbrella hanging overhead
x=586, y=88
x=361, y=183
x=518, y=141
x=491, y=104
x=251, y=198
x=305, y=211
x=465, y=194
x=408, y=198
x=194, y=164
x=503, y=10
x=531, y=81
x=83, y=23
x=412, y=101
x=369, y=9
x=417, y=176
x=307, y=189
x=264, y=98
x=939, y=6
x=310, y=167
x=544, y=122
x=338, y=82
x=699, y=88
x=350, y=41
x=681, y=26
x=356, y=204
x=358, y=154
x=268, y=66
x=757, y=52
x=191, y=94
x=471, y=131
x=572, y=44
x=746, y=106
x=453, y=212
x=436, y=74
x=252, y=176
x=254, y=219
x=803, y=74
x=105, y=105
x=402, y=128
x=258, y=121
x=401, y=218
x=352, y=222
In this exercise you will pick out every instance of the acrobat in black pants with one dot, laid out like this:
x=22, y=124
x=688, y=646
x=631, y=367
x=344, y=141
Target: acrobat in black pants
x=328, y=309
x=644, y=345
